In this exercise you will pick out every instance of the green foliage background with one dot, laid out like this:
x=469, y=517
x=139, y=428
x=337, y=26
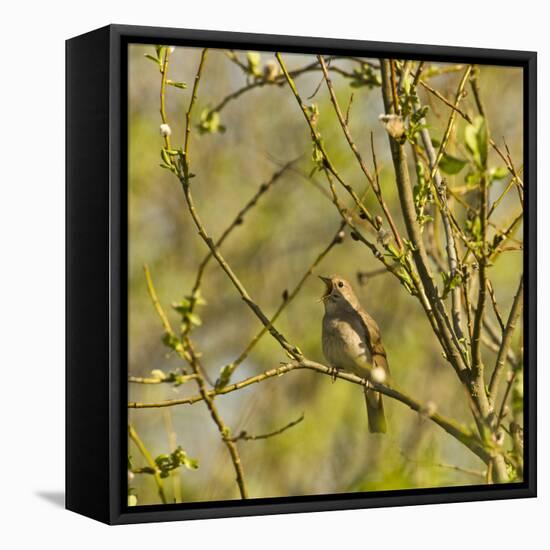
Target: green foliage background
x=330, y=451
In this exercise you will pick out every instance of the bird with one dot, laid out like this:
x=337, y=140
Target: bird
x=351, y=342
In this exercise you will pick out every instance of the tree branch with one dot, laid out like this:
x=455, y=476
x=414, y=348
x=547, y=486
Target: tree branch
x=277, y=81
x=477, y=374
x=450, y=344
x=441, y=192
x=245, y=436
x=450, y=426
x=150, y=461
x=237, y=221
x=225, y=432
x=373, y=181
x=318, y=142
x=513, y=317
x=337, y=239
x=510, y=167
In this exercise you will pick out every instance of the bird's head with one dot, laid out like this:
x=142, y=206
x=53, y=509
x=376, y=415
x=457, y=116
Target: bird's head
x=338, y=293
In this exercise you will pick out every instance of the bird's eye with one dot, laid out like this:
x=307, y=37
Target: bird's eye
x=340, y=284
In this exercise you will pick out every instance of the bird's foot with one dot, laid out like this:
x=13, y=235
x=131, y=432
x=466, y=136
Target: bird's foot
x=334, y=373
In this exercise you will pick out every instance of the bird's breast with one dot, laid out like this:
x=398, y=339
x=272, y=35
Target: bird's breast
x=344, y=344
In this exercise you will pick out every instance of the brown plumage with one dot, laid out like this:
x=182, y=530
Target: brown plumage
x=352, y=342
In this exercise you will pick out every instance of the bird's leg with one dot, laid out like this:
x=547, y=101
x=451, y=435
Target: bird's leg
x=334, y=373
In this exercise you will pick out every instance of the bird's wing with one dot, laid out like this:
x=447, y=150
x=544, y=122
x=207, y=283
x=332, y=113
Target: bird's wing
x=374, y=341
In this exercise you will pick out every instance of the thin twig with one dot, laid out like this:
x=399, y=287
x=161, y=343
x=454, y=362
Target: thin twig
x=372, y=180
x=474, y=83
x=179, y=348
x=492, y=339
x=172, y=445
x=494, y=302
x=277, y=81
x=183, y=168
x=198, y=376
x=225, y=432
x=393, y=80
x=191, y=105
x=507, y=335
x=293, y=351
x=477, y=375
x=441, y=193
x=181, y=379
x=237, y=221
x=467, y=471
x=288, y=298
x=319, y=144
x=348, y=109
x=469, y=119
x=150, y=461
x=363, y=276
x=164, y=72
x=245, y=436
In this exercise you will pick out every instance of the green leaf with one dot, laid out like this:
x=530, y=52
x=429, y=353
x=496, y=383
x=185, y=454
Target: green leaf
x=313, y=113
x=476, y=138
x=210, y=122
x=423, y=219
x=473, y=179
x=165, y=157
x=470, y=140
x=254, y=59
x=512, y=472
x=166, y=463
x=197, y=298
x=171, y=341
x=473, y=230
x=194, y=319
x=180, y=85
x=517, y=393
x=450, y=283
x=365, y=76
x=225, y=376
x=191, y=463
x=182, y=307
x=153, y=58
x=451, y=165
x=498, y=173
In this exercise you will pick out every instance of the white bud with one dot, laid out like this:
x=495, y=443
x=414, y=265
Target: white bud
x=393, y=124
x=130, y=476
x=165, y=130
x=428, y=409
x=378, y=375
x=157, y=373
x=271, y=70
x=171, y=49
x=383, y=237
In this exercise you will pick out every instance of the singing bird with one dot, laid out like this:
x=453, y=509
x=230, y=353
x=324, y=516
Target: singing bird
x=351, y=342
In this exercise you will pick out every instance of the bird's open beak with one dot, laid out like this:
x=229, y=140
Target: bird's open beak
x=328, y=286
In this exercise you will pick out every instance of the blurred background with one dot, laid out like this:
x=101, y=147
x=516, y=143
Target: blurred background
x=330, y=451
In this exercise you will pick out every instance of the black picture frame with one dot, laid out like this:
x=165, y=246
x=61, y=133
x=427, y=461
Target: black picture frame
x=96, y=267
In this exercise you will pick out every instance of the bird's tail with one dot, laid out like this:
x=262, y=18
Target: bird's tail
x=375, y=412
